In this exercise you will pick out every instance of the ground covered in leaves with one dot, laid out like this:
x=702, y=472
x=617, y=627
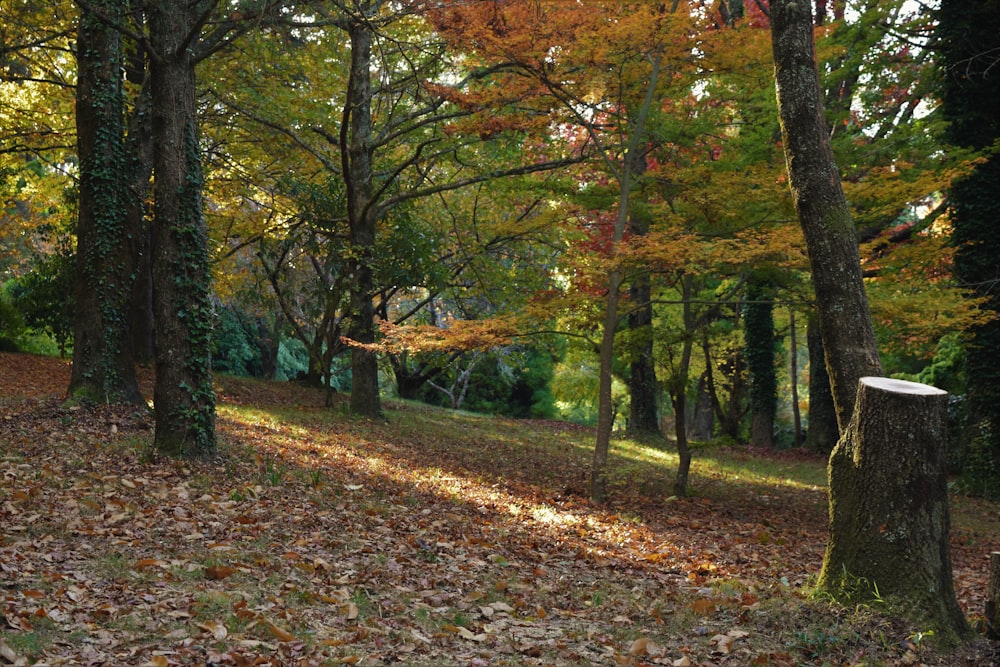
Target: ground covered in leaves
x=430, y=538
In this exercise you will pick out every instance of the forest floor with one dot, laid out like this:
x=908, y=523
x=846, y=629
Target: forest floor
x=428, y=538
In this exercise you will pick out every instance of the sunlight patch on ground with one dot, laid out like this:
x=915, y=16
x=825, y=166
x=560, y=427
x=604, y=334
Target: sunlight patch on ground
x=604, y=533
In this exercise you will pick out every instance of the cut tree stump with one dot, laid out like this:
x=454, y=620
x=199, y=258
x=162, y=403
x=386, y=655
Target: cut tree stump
x=993, y=598
x=889, y=519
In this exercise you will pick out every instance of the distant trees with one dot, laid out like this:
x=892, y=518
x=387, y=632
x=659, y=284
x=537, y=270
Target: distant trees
x=339, y=172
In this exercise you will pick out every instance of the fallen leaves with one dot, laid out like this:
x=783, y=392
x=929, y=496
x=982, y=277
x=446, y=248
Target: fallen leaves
x=403, y=555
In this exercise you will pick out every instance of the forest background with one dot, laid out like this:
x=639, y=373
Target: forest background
x=421, y=199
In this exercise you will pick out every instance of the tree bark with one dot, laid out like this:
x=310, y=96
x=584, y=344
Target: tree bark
x=831, y=242
x=139, y=156
x=993, y=597
x=760, y=346
x=701, y=424
x=184, y=399
x=822, y=432
x=643, y=388
x=357, y=145
x=103, y=367
x=678, y=384
x=889, y=519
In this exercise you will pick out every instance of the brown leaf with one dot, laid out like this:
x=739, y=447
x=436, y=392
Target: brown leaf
x=217, y=572
x=279, y=634
x=640, y=646
x=217, y=629
x=144, y=563
x=703, y=606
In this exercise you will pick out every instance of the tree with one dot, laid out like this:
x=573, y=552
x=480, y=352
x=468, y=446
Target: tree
x=831, y=240
x=357, y=146
x=968, y=39
x=889, y=518
x=761, y=344
x=823, y=431
x=103, y=366
x=183, y=394
x=886, y=507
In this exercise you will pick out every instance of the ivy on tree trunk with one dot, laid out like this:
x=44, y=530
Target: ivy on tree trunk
x=103, y=368
x=184, y=398
x=969, y=38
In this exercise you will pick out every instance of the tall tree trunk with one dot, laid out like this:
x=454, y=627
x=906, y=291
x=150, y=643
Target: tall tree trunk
x=184, y=399
x=356, y=150
x=760, y=345
x=701, y=425
x=103, y=367
x=605, y=408
x=831, y=241
x=889, y=506
x=139, y=156
x=793, y=374
x=822, y=433
x=642, y=385
x=969, y=37
x=678, y=391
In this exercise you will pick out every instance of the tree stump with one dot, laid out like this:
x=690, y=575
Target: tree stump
x=889, y=519
x=993, y=597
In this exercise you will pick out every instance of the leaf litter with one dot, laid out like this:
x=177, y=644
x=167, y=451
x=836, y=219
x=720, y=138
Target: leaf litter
x=315, y=539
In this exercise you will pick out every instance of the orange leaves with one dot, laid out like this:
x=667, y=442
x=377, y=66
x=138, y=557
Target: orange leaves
x=463, y=335
x=218, y=572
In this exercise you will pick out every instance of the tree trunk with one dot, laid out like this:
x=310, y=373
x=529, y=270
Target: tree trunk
x=889, y=518
x=678, y=389
x=968, y=35
x=139, y=155
x=993, y=598
x=103, y=367
x=760, y=345
x=793, y=374
x=831, y=242
x=678, y=399
x=822, y=432
x=605, y=408
x=642, y=385
x=356, y=150
x=184, y=399
x=701, y=425
x=643, y=389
